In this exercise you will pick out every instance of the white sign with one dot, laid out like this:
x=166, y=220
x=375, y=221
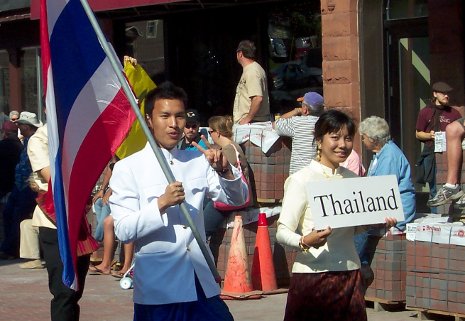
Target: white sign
x=354, y=201
x=439, y=142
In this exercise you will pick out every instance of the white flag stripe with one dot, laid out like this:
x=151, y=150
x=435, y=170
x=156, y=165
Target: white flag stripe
x=53, y=12
x=104, y=84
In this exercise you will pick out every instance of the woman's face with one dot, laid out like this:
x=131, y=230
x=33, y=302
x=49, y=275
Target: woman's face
x=369, y=143
x=214, y=135
x=335, y=148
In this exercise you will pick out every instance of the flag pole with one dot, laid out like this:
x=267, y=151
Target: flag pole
x=159, y=155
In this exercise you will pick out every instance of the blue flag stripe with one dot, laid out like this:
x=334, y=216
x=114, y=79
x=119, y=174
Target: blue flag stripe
x=69, y=45
x=62, y=225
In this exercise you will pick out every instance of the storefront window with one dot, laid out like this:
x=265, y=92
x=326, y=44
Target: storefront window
x=144, y=41
x=29, y=63
x=4, y=82
x=201, y=52
x=403, y=9
x=294, y=37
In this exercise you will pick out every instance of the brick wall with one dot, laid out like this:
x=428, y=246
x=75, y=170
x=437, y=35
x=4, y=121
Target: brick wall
x=389, y=268
x=340, y=49
x=435, y=276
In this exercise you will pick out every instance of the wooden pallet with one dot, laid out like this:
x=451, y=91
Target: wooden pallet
x=268, y=201
x=426, y=314
x=380, y=304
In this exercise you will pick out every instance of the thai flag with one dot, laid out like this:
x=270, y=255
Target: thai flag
x=88, y=116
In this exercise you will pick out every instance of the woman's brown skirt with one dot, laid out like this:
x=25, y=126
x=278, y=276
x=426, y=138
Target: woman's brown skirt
x=331, y=296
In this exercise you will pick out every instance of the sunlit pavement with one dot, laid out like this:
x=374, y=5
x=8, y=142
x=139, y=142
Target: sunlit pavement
x=24, y=296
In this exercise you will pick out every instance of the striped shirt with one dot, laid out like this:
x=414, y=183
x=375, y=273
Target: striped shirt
x=301, y=129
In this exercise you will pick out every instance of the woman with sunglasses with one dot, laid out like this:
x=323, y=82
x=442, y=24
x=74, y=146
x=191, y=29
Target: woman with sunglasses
x=222, y=135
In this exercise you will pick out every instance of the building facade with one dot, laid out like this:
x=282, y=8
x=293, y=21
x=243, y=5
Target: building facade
x=368, y=57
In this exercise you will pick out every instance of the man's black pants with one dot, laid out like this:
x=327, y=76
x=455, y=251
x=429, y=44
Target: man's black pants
x=64, y=305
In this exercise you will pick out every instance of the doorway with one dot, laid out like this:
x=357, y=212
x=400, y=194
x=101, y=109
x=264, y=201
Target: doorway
x=408, y=80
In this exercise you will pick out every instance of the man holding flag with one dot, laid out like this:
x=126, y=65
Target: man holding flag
x=172, y=280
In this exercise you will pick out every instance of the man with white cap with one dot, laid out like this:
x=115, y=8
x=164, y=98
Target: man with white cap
x=21, y=202
x=299, y=124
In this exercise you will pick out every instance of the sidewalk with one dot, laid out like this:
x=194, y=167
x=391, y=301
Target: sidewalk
x=24, y=295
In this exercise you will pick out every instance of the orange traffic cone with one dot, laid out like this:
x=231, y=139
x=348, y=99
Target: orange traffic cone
x=237, y=284
x=263, y=273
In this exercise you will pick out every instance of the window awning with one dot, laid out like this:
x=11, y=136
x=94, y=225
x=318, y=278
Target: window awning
x=104, y=5
x=13, y=5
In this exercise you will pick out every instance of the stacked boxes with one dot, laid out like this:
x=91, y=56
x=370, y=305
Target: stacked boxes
x=436, y=270
x=389, y=268
x=270, y=170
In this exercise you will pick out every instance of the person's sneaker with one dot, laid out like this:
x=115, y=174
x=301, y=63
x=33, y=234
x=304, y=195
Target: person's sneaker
x=445, y=195
x=34, y=264
x=460, y=202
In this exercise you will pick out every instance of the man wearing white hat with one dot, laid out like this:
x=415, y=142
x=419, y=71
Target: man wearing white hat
x=299, y=124
x=21, y=201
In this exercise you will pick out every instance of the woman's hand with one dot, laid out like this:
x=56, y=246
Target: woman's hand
x=97, y=195
x=390, y=222
x=107, y=195
x=316, y=238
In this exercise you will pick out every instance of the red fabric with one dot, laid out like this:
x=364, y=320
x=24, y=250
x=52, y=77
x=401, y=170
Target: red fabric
x=86, y=243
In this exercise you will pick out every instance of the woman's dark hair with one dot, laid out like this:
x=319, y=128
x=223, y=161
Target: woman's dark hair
x=167, y=90
x=332, y=121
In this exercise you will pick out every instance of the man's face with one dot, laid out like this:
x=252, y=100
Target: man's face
x=305, y=109
x=441, y=98
x=26, y=130
x=191, y=130
x=167, y=122
x=239, y=56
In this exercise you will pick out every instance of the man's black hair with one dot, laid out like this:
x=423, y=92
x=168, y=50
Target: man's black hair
x=167, y=90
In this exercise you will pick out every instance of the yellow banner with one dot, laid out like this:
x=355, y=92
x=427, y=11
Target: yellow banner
x=141, y=84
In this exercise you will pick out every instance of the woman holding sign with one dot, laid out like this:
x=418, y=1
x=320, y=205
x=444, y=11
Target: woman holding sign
x=326, y=283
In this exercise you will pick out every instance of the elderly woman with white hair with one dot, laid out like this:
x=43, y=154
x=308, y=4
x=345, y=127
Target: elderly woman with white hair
x=388, y=159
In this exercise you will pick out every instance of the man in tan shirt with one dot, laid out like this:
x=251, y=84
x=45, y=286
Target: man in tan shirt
x=251, y=103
